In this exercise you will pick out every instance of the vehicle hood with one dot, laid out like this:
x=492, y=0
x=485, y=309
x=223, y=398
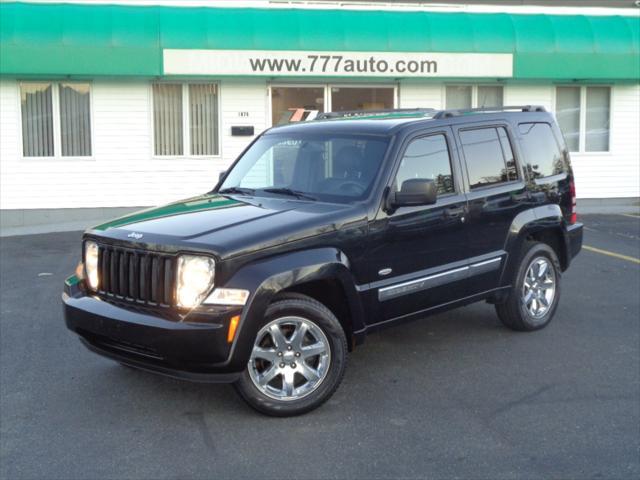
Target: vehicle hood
x=227, y=225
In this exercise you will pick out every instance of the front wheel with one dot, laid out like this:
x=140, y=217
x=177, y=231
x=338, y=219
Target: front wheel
x=298, y=358
x=534, y=296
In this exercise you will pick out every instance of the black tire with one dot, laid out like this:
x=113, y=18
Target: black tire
x=315, y=312
x=513, y=312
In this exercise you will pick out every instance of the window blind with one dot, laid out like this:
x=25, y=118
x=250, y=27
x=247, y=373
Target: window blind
x=203, y=119
x=75, y=120
x=37, y=119
x=167, y=119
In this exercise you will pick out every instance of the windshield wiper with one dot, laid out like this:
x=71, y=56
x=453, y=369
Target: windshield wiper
x=289, y=192
x=241, y=190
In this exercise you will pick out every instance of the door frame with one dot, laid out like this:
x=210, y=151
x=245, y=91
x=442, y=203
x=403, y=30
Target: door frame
x=459, y=179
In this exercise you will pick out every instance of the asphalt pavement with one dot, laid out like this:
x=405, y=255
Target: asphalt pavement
x=452, y=396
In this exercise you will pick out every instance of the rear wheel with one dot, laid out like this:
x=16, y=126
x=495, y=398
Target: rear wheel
x=535, y=294
x=298, y=358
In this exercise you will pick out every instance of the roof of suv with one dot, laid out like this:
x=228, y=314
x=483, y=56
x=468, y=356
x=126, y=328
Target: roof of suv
x=348, y=125
x=387, y=122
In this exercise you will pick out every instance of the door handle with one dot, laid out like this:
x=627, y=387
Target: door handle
x=455, y=212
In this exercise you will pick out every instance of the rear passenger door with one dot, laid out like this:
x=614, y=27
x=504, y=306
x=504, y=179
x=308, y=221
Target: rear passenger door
x=496, y=193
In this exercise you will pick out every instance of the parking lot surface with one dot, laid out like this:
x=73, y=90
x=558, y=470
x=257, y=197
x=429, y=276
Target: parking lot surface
x=455, y=395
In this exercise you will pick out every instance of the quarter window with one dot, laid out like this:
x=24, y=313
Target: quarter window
x=488, y=156
x=583, y=115
x=185, y=119
x=543, y=158
x=427, y=157
x=56, y=119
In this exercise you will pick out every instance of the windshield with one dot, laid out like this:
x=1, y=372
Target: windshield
x=326, y=167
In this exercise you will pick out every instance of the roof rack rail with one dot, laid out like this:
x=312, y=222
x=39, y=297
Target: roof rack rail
x=464, y=111
x=373, y=113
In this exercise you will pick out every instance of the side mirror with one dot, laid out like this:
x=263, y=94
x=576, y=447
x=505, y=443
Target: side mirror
x=221, y=175
x=416, y=191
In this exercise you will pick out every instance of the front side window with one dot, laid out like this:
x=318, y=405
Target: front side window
x=185, y=119
x=427, y=158
x=488, y=156
x=56, y=119
x=542, y=156
x=583, y=115
x=326, y=167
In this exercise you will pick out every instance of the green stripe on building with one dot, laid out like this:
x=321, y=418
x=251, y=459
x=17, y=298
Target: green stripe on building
x=115, y=40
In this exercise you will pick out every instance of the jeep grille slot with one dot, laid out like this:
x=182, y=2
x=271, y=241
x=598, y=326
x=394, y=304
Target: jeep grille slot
x=140, y=276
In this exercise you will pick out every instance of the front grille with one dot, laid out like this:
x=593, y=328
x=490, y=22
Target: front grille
x=134, y=275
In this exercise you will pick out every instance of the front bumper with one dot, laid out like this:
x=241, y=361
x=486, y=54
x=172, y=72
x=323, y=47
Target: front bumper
x=193, y=348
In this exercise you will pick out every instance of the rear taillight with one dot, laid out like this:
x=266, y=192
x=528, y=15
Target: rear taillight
x=572, y=192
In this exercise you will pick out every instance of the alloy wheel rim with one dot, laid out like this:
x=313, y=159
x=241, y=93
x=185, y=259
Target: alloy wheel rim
x=539, y=288
x=290, y=358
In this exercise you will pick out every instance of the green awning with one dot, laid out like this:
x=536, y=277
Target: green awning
x=116, y=40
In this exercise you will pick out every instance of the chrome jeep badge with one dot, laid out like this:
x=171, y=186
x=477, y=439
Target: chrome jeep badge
x=135, y=235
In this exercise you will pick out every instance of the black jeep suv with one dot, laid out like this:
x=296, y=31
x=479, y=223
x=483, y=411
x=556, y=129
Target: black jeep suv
x=324, y=231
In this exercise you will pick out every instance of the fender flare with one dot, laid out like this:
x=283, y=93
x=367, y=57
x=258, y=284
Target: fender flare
x=527, y=222
x=266, y=278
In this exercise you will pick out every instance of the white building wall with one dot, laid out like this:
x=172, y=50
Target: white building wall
x=123, y=171
x=616, y=173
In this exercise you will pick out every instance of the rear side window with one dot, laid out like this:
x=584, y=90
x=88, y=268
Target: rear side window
x=489, y=156
x=543, y=157
x=427, y=157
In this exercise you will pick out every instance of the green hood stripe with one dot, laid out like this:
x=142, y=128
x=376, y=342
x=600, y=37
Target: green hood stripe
x=206, y=202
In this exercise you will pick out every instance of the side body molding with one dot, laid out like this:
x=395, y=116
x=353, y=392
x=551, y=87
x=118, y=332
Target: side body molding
x=266, y=278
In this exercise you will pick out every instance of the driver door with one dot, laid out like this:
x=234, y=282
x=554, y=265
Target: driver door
x=418, y=253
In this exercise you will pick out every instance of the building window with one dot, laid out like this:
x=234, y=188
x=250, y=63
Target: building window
x=345, y=98
x=75, y=120
x=185, y=115
x=473, y=96
x=60, y=111
x=295, y=104
x=583, y=114
x=488, y=156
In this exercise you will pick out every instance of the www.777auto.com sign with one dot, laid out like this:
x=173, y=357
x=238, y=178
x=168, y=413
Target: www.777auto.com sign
x=364, y=64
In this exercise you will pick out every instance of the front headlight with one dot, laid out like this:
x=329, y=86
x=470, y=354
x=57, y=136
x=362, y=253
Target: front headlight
x=91, y=264
x=195, y=279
